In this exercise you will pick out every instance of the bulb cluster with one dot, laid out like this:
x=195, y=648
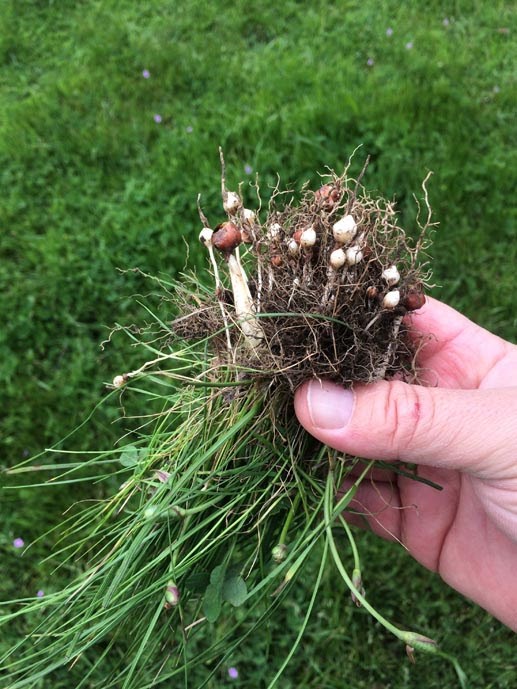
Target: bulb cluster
x=336, y=270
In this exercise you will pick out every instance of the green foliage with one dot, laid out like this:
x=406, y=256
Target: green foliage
x=93, y=186
x=225, y=585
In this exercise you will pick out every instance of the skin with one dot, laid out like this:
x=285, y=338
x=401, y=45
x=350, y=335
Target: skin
x=460, y=428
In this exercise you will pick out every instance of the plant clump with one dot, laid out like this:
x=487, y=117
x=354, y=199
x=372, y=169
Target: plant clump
x=224, y=499
x=330, y=280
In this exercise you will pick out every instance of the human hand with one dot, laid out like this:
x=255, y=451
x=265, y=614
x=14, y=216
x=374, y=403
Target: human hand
x=462, y=432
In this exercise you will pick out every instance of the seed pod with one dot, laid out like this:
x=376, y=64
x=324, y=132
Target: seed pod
x=226, y=237
x=345, y=229
x=354, y=255
x=177, y=512
x=391, y=299
x=414, y=300
x=279, y=552
x=308, y=238
x=232, y=202
x=205, y=236
x=293, y=247
x=391, y=275
x=337, y=259
x=151, y=513
x=172, y=595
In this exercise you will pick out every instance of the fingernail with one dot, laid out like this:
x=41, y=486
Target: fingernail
x=330, y=406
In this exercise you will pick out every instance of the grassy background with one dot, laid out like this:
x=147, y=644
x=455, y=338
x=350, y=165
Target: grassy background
x=92, y=186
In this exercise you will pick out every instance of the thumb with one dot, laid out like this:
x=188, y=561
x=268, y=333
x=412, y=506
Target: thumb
x=467, y=430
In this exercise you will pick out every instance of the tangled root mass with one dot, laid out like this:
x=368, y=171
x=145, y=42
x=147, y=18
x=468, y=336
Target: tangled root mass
x=330, y=279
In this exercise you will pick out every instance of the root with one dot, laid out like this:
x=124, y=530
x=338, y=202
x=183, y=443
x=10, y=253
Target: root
x=303, y=314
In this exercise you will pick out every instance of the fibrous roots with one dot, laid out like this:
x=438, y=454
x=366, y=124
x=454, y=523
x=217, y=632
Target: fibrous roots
x=330, y=280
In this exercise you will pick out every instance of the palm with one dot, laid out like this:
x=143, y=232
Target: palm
x=456, y=531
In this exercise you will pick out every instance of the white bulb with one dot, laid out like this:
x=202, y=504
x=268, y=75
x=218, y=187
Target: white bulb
x=249, y=215
x=391, y=275
x=337, y=259
x=308, y=237
x=232, y=202
x=205, y=236
x=391, y=299
x=274, y=230
x=293, y=247
x=354, y=255
x=345, y=229
x=119, y=381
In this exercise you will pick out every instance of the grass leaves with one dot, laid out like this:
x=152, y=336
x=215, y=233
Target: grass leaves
x=91, y=183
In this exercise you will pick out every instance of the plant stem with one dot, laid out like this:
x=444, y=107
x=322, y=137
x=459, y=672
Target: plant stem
x=289, y=518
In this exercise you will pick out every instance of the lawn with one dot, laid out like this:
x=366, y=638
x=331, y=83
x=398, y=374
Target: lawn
x=111, y=114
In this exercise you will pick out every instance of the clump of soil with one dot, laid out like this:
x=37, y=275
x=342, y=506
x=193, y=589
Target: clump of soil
x=320, y=288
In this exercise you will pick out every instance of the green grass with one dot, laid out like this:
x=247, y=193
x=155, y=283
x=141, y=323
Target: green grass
x=91, y=184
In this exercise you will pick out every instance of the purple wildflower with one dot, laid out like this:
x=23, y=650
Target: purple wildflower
x=162, y=476
x=233, y=673
x=157, y=118
x=18, y=543
x=370, y=62
x=189, y=129
x=409, y=45
x=248, y=169
x=389, y=31
x=40, y=593
x=146, y=73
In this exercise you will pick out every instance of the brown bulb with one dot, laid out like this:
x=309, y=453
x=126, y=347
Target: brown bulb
x=414, y=300
x=327, y=195
x=297, y=236
x=226, y=237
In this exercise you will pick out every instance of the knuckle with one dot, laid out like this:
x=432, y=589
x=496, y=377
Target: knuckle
x=408, y=413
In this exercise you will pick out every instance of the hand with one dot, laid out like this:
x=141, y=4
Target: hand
x=462, y=432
